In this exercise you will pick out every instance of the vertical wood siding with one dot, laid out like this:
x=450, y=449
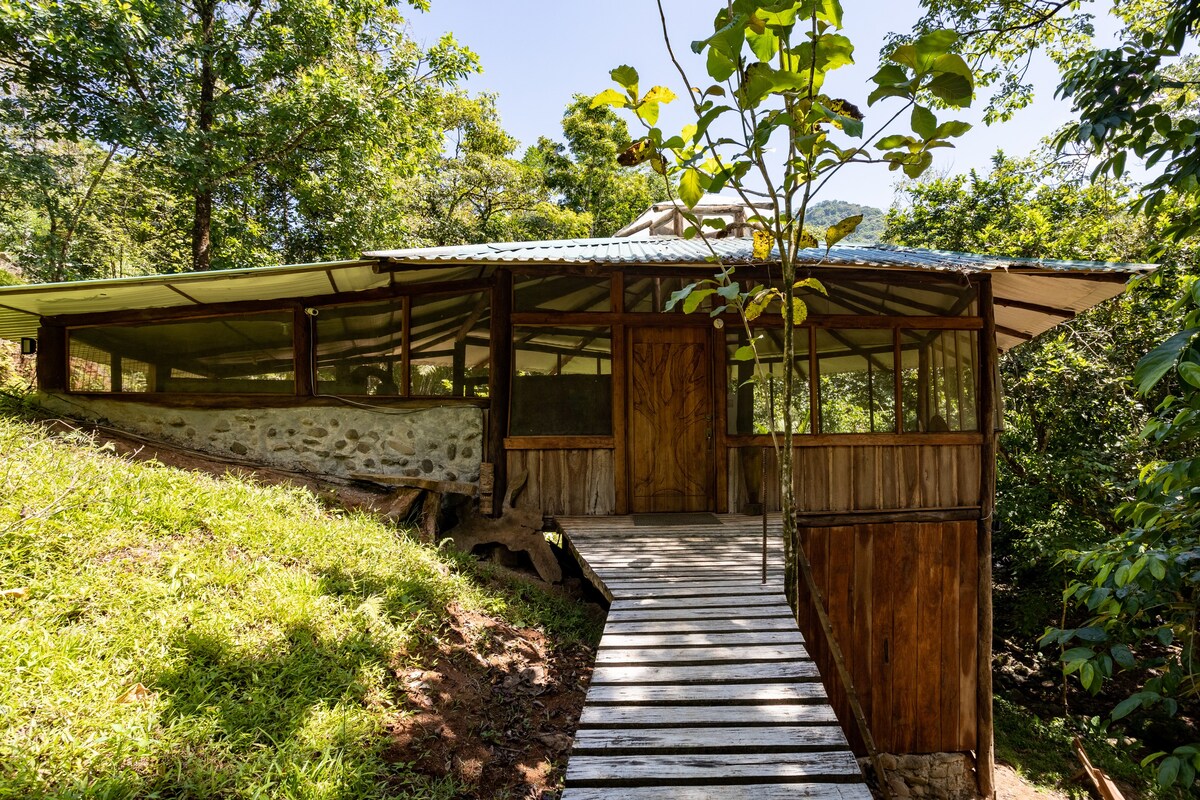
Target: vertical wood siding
x=902, y=601
x=565, y=482
x=866, y=478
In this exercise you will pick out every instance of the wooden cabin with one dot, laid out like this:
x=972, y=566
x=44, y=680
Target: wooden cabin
x=556, y=360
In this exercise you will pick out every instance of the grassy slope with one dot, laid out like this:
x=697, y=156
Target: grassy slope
x=267, y=630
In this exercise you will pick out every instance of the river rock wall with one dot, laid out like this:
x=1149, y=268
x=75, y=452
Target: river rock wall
x=442, y=443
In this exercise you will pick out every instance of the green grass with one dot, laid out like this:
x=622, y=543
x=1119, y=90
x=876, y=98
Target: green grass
x=1041, y=751
x=267, y=629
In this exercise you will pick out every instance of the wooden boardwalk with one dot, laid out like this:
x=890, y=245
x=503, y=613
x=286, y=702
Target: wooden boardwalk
x=702, y=687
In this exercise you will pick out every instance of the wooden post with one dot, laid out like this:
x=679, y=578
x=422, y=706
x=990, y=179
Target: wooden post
x=406, y=356
x=985, y=760
x=116, y=369
x=52, y=358
x=500, y=382
x=303, y=353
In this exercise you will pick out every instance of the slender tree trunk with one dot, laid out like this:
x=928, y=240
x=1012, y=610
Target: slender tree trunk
x=202, y=217
x=787, y=493
x=69, y=235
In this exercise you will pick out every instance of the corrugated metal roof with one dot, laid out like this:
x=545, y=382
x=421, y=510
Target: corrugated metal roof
x=682, y=252
x=1021, y=279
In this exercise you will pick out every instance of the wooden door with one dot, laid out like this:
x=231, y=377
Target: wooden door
x=671, y=463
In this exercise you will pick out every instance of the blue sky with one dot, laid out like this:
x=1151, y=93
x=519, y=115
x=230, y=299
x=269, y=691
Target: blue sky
x=537, y=54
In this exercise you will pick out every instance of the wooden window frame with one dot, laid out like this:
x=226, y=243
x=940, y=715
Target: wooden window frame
x=303, y=348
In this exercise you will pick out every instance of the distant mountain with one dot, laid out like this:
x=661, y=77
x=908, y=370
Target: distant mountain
x=830, y=212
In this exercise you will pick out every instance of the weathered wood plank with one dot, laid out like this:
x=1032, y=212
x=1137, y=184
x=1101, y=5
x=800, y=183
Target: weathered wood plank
x=702, y=676
x=729, y=601
x=740, y=693
x=783, y=622
x=760, y=739
x=708, y=673
x=687, y=655
x=682, y=613
x=584, y=770
x=758, y=791
x=677, y=716
x=675, y=581
x=713, y=639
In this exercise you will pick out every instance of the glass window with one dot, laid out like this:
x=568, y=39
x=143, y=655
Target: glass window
x=562, y=381
x=359, y=349
x=449, y=345
x=756, y=397
x=938, y=380
x=857, y=381
x=249, y=354
x=564, y=293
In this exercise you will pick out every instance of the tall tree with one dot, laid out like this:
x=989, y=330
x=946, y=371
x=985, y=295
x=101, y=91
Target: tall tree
x=784, y=138
x=476, y=190
x=216, y=91
x=585, y=173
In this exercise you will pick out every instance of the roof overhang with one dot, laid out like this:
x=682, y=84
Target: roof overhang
x=1032, y=295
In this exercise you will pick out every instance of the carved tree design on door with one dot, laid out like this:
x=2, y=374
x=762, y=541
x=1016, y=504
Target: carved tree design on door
x=671, y=420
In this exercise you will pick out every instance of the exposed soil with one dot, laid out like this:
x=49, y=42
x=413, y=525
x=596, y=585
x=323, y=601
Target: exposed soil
x=495, y=709
x=1011, y=786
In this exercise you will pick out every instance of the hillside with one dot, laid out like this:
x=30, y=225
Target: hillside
x=169, y=633
x=829, y=212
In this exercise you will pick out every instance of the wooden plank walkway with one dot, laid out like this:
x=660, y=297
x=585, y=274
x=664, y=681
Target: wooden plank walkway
x=703, y=689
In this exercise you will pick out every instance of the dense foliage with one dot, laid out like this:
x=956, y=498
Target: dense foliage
x=163, y=136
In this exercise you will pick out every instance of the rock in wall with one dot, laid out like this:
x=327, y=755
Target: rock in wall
x=442, y=443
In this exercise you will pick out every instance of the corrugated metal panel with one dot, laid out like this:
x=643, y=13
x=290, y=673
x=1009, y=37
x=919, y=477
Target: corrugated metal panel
x=19, y=304
x=670, y=250
x=1069, y=294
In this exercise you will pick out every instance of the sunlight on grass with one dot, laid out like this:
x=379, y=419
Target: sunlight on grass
x=266, y=629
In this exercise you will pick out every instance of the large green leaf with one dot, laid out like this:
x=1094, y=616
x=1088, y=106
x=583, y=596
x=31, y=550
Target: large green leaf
x=1190, y=372
x=609, y=97
x=924, y=123
x=929, y=47
x=841, y=230
x=690, y=189
x=1126, y=707
x=1158, y=362
x=693, y=300
x=952, y=128
x=720, y=67
x=953, y=90
x=626, y=77
x=764, y=45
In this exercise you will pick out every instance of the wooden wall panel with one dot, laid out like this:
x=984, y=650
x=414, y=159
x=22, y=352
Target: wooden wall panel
x=565, y=482
x=867, y=478
x=901, y=598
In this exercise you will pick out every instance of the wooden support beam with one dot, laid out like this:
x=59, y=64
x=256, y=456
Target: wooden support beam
x=500, y=381
x=985, y=751
x=1024, y=305
x=1013, y=332
x=1104, y=784
x=52, y=358
x=429, y=484
x=303, y=352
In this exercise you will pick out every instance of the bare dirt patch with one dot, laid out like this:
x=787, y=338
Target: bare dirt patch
x=495, y=708
x=1011, y=786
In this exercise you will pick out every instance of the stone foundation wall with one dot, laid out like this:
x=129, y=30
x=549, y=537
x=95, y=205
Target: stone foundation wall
x=940, y=776
x=443, y=443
